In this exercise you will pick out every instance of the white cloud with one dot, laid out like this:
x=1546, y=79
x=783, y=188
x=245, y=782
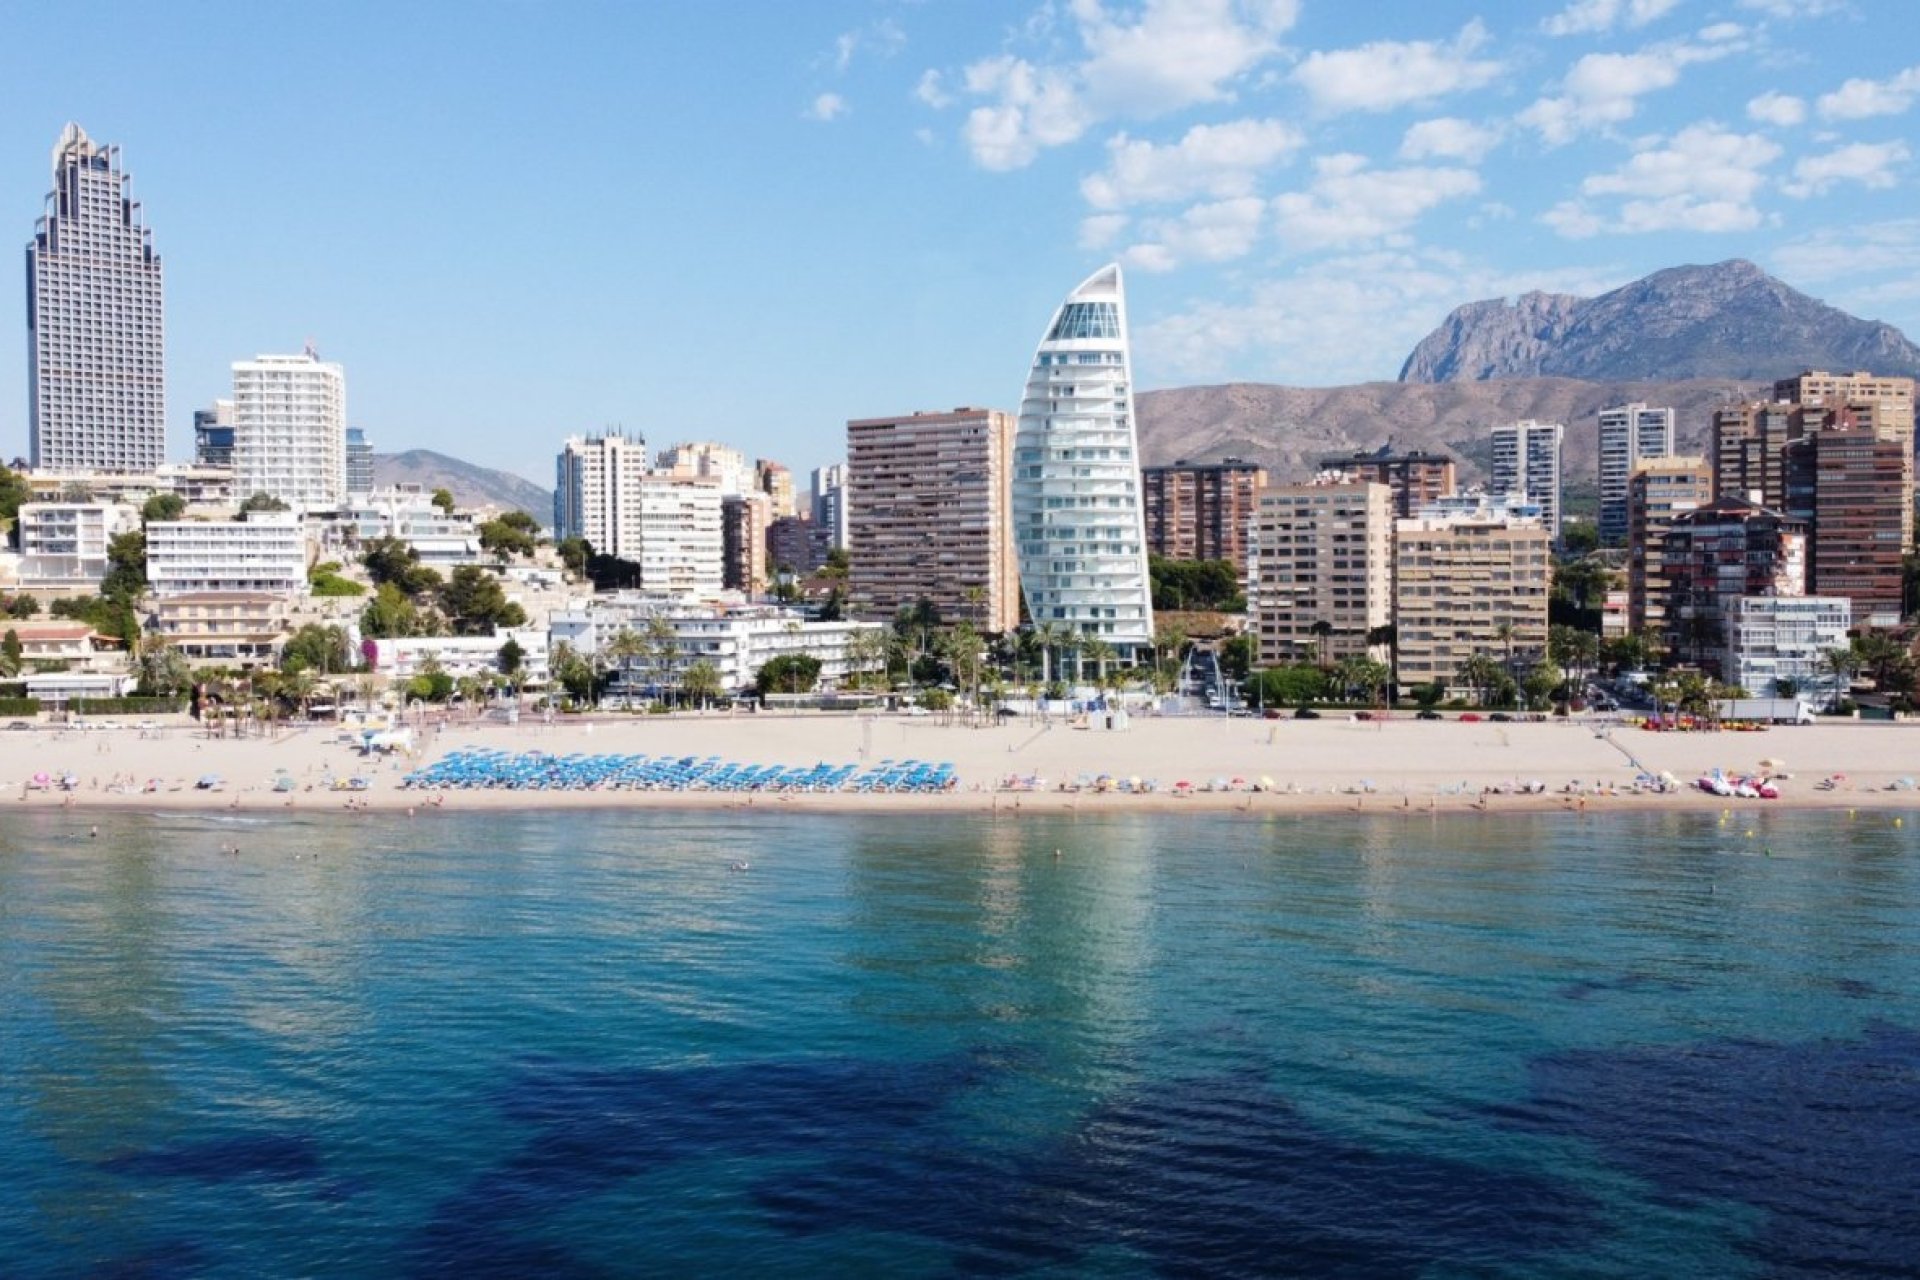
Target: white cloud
x=1876, y=249
x=827, y=107
x=1704, y=179
x=1349, y=318
x=883, y=38
x=1448, y=137
x=1216, y=232
x=1388, y=74
x=1777, y=108
x=1348, y=203
x=1871, y=164
x=1720, y=32
x=1164, y=56
x=932, y=90
x=1588, y=17
x=1602, y=89
x=1101, y=230
x=1789, y=9
x=1861, y=99
x=1216, y=160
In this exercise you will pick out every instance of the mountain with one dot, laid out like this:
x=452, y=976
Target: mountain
x=1290, y=429
x=470, y=485
x=1729, y=320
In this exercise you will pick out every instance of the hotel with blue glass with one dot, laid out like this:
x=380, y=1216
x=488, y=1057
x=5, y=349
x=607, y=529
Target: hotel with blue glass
x=1077, y=513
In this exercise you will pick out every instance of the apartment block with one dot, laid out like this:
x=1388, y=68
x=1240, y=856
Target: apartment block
x=1324, y=570
x=1775, y=638
x=263, y=554
x=596, y=492
x=1717, y=554
x=1630, y=434
x=1526, y=462
x=63, y=545
x=1890, y=400
x=682, y=548
x=744, y=520
x=775, y=480
x=244, y=629
x=1416, y=479
x=1749, y=450
x=705, y=460
x=290, y=430
x=1201, y=511
x=1854, y=489
x=798, y=545
x=1467, y=587
x=928, y=516
x=1659, y=490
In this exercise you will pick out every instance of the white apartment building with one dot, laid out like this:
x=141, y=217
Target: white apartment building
x=737, y=639
x=682, y=539
x=1630, y=434
x=63, y=545
x=1526, y=462
x=290, y=430
x=595, y=492
x=400, y=658
x=829, y=485
x=264, y=554
x=442, y=540
x=1079, y=525
x=1323, y=554
x=1774, y=638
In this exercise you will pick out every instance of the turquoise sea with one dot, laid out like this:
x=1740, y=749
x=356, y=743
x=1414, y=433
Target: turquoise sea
x=1188, y=1044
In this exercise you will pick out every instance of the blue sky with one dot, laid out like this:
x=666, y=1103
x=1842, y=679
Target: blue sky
x=751, y=221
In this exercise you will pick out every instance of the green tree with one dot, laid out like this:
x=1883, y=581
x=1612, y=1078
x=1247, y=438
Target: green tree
x=504, y=538
x=10, y=653
x=513, y=658
x=1541, y=684
x=262, y=502
x=163, y=507
x=164, y=671
x=390, y=613
x=318, y=648
x=126, y=577
x=1293, y=686
x=443, y=499
x=701, y=682
x=1237, y=653
x=22, y=607
x=475, y=604
x=573, y=672
x=14, y=490
x=1482, y=674
x=574, y=554
x=788, y=673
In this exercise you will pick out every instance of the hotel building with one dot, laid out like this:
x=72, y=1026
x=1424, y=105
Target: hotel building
x=927, y=516
x=1630, y=434
x=1324, y=555
x=290, y=430
x=96, y=376
x=595, y=492
x=1526, y=463
x=265, y=553
x=1467, y=586
x=1078, y=521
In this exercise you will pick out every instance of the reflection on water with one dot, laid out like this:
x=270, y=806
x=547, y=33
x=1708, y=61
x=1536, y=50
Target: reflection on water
x=1183, y=1043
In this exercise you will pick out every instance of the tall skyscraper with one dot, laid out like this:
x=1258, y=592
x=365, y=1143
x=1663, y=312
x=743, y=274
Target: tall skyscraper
x=1629, y=435
x=290, y=430
x=1893, y=397
x=927, y=498
x=1202, y=511
x=1526, y=463
x=359, y=462
x=96, y=380
x=830, y=501
x=596, y=492
x=1658, y=491
x=1325, y=555
x=1077, y=516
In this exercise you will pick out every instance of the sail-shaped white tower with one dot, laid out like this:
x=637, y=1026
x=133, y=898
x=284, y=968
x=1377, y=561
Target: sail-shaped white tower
x=1077, y=514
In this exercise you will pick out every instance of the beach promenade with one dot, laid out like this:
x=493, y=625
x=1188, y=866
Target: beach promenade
x=1013, y=766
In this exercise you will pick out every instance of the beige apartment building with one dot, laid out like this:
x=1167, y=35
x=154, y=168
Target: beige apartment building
x=1658, y=490
x=1201, y=510
x=1891, y=399
x=1468, y=585
x=1323, y=554
x=929, y=516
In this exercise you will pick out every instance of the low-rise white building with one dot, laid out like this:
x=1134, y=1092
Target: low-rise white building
x=267, y=552
x=63, y=545
x=1773, y=638
x=739, y=640
x=400, y=658
x=442, y=540
x=240, y=629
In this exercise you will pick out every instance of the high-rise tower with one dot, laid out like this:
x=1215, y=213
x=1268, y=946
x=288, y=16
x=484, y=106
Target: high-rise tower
x=1077, y=517
x=290, y=430
x=96, y=387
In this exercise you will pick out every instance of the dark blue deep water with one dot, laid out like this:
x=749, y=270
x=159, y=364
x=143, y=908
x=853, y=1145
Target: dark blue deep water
x=588, y=1044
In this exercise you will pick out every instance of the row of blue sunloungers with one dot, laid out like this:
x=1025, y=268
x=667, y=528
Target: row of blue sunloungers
x=484, y=770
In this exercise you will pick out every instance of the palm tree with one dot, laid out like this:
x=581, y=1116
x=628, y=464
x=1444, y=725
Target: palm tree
x=619, y=651
x=1100, y=653
x=1322, y=632
x=701, y=682
x=866, y=653
x=1841, y=664
x=1049, y=635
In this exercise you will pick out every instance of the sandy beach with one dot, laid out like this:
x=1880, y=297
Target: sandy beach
x=1324, y=765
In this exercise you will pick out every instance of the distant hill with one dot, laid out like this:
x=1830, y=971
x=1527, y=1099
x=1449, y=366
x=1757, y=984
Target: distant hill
x=470, y=485
x=1728, y=320
x=1289, y=429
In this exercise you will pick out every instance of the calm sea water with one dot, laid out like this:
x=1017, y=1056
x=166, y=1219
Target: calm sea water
x=1190, y=1044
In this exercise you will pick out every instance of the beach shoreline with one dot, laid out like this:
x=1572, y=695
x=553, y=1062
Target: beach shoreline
x=1398, y=765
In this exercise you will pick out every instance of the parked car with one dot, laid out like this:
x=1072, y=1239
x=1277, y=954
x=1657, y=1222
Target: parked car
x=1428, y=713
x=20, y=724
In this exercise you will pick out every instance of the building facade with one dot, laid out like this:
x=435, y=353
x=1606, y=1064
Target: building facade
x=1776, y=638
x=1323, y=586
x=682, y=544
x=290, y=430
x=1890, y=399
x=704, y=460
x=928, y=497
x=1526, y=463
x=1416, y=479
x=213, y=435
x=359, y=462
x=796, y=545
x=829, y=487
x=63, y=545
x=596, y=492
x=263, y=554
x=244, y=629
x=1749, y=451
x=744, y=520
x=775, y=481
x=1465, y=587
x=96, y=369
x=1715, y=555
x=442, y=540
x=1659, y=490
x=1079, y=524
x=1853, y=488
x=1630, y=434
x=1202, y=511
